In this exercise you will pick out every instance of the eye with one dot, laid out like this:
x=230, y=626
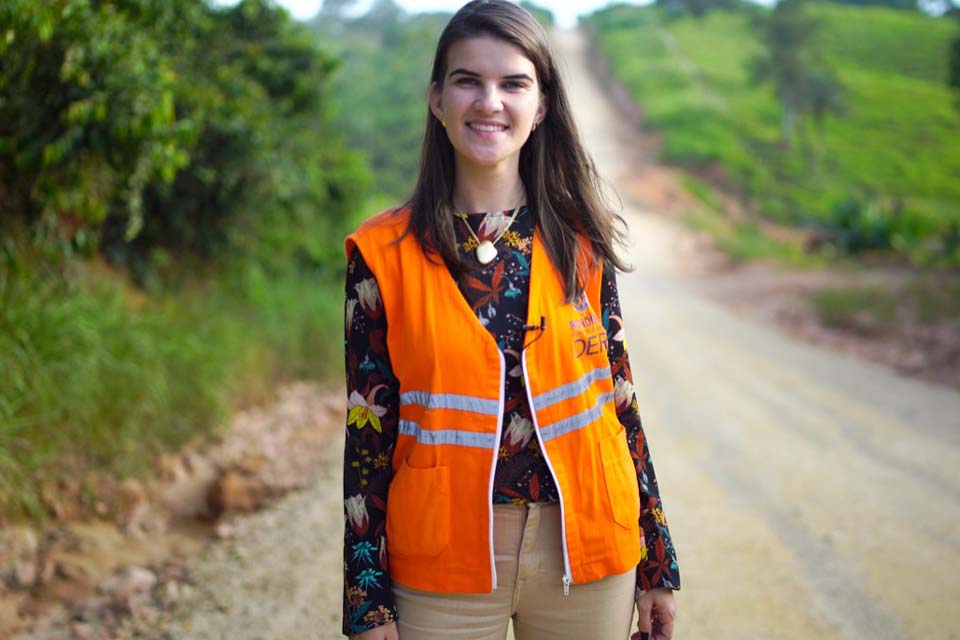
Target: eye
x=466, y=80
x=514, y=84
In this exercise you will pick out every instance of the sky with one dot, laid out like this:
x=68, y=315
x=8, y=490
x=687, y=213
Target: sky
x=565, y=11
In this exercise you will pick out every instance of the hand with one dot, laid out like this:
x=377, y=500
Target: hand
x=385, y=632
x=657, y=610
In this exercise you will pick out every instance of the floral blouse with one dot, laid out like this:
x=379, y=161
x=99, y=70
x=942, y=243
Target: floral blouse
x=498, y=295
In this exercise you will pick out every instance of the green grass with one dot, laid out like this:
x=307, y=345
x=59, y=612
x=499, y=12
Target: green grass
x=863, y=309
x=896, y=143
x=97, y=377
x=742, y=240
x=884, y=40
x=745, y=241
x=925, y=300
x=701, y=191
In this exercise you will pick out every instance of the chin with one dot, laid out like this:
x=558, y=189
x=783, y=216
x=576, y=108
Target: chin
x=486, y=160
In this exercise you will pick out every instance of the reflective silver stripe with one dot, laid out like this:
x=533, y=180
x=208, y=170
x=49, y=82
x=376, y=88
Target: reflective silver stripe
x=451, y=401
x=448, y=436
x=577, y=421
x=570, y=389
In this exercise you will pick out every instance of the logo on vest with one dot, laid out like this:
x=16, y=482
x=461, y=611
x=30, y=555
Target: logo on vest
x=589, y=336
x=581, y=303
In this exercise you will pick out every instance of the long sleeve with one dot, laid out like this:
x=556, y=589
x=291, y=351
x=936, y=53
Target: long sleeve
x=373, y=411
x=658, y=563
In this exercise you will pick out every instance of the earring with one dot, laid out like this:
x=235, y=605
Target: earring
x=534, y=127
x=443, y=122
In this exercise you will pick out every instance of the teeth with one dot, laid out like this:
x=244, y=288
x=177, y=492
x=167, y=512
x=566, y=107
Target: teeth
x=487, y=127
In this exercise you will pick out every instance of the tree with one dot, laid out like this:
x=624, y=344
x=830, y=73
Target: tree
x=804, y=86
x=332, y=17
x=543, y=15
x=267, y=172
x=336, y=9
x=385, y=71
x=906, y=5
x=87, y=117
x=695, y=8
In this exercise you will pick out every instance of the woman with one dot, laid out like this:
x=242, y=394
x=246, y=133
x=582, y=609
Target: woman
x=495, y=463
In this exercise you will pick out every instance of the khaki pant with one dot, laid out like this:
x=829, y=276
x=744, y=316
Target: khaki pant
x=529, y=559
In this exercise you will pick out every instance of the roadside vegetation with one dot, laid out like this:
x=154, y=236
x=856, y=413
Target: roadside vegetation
x=385, y=58
x=860, y=149
x=876, y=309
x=174, y=195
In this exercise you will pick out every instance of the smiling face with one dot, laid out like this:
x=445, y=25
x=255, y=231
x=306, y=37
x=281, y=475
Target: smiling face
x=490, y=100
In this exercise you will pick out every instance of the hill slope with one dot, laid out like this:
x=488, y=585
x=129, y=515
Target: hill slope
x=885, y=172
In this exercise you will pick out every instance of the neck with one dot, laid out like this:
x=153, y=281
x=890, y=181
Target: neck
x=492, y=190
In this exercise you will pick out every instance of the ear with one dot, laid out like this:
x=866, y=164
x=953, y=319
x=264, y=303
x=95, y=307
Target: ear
x=542, y=109
x=434, y=98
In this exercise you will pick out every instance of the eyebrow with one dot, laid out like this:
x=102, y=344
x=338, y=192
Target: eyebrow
x=467, y=72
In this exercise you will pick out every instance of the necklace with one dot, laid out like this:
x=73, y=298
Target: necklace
x=486, y=251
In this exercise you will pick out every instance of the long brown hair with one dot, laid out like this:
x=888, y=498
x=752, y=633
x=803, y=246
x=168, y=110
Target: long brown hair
x=563, y=187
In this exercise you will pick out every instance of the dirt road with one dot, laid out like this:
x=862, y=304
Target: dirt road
x=809, y=495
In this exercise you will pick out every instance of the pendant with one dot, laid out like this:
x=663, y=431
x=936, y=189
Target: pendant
x=486, y=252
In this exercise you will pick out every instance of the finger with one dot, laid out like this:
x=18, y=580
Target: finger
x=645, y=619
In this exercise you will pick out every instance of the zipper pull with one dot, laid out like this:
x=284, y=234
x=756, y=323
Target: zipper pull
x=566, y=585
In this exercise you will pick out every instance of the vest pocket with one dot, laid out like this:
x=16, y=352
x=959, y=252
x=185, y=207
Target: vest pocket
x=620, y=477
x=418, y=512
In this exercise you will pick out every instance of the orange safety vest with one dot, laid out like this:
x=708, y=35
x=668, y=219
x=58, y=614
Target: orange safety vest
x=451, y=374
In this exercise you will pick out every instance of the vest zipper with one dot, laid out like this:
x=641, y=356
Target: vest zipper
x=567, y=575
x=493, y=467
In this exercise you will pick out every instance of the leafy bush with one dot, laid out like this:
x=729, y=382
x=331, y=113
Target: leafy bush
x=856, y=225
x=85, y=122
x=170, y=128
x=859, y=225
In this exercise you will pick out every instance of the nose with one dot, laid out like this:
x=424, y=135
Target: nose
x=489, y=99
